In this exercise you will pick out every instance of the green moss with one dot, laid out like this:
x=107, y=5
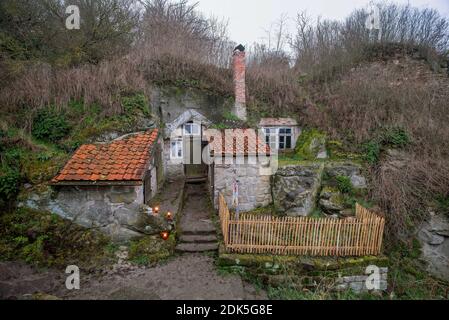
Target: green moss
x=337, y=150
x=308, y=143
x=268, y=210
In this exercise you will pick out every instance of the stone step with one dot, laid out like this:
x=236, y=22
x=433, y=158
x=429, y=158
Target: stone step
x=199, y=231
x=195, y=180
x=196, y=247
x=198, y=238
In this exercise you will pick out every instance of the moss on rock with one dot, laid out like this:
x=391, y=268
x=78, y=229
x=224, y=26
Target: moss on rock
x=309, y=144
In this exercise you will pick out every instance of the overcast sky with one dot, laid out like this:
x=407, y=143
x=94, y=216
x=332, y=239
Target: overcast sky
x=249, y=18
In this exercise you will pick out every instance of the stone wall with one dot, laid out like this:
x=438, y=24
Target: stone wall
x=254, y=188
x=301, y=272
x=112, y=209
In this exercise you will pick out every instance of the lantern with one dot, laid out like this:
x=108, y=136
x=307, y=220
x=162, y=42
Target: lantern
x=165, y=235
x=169, y=216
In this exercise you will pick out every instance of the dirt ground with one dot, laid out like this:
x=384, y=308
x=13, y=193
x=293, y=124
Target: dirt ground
x=187, y=276
x=190, y=276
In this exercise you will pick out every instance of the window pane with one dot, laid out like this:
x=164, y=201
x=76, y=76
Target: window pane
x=173, y=149
x=282, y=130
x=288, y=131
x=179, y=143
x=288, y=142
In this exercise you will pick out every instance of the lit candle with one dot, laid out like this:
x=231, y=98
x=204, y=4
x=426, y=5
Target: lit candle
x=156, y=210
x=165, y=235
x=169, y=216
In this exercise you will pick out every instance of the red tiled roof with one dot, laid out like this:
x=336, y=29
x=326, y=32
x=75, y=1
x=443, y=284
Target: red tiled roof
x=236, y=141
x=278, y=122
x=120, y=160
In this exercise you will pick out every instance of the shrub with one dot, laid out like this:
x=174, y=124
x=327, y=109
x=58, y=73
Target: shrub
x=9, y=184
x=50, y=125
x=371, y=151
x=443, y=204
x=34, y=251
x=150, y=250
x=344, y=184
x=45, y=239
x=137, y=102
x=396, y=137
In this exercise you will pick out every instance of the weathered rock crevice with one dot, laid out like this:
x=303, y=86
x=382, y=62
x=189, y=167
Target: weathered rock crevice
x=298, y=189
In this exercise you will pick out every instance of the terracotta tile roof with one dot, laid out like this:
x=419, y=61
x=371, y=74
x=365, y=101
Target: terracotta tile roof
x=119, y=160
x=236, y=141
x=278, y=122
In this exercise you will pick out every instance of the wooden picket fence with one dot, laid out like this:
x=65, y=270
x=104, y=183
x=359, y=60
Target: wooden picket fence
x=357, y=236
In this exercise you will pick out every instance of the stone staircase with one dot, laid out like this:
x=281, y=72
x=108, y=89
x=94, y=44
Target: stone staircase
x=197, y=231
x=197, y=242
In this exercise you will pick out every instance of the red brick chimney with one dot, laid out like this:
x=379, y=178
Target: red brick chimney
x=239, y=66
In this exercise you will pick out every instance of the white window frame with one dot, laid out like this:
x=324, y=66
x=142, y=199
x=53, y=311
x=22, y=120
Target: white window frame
x=272, y=135
x=192, y=125
x=285, y=135
x=176, y=149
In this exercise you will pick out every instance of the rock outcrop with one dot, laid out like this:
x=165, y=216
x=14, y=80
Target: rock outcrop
x=347, y=169
x=295, y=189
x=434, y=238
x=331, y=201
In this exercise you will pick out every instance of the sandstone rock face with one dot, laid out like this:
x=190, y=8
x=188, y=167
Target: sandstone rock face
x=350, y=170
x=318, y=147
x=111, y=209
x=434, y=238
x=331, y=201
x=295, y=189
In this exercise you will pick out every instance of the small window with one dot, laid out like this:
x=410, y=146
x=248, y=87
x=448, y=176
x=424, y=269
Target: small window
x=191, y=129
x=285, y=138
x=271, y=137
x=176, y=149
